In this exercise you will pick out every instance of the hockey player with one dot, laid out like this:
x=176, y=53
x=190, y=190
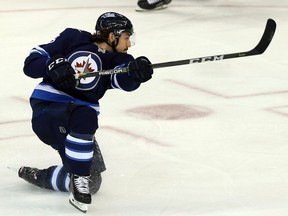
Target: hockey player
x=65, y=110
x=153, y=4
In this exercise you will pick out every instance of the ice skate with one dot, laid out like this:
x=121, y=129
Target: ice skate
x=32, y=176
x=80, y=195
x=43, y=177
x=146, y=5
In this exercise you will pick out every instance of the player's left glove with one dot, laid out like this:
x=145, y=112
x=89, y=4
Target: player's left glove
x=140, y=69
x=61, y=73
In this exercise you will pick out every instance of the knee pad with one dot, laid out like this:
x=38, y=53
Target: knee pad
x=83, y=120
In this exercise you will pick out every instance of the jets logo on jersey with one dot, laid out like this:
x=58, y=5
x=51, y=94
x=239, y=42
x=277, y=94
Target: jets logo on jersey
x=86, y=62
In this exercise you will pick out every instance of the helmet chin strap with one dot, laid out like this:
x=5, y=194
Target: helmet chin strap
x=113, y=45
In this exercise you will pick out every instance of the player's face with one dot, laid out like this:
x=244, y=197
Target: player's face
x=124, y=42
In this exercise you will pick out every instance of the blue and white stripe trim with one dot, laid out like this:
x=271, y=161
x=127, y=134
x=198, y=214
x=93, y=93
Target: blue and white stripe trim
x=60, y=179
x=40, y=50
x=78, y=141
x=78, y=149
x=75, y=155
x=44, y=91
x=67, y=182
x=114, y=82
x=55, y=177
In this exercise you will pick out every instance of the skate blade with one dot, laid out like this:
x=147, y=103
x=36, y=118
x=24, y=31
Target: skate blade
x=138, y=9
x=14, y=169
x=83, y=207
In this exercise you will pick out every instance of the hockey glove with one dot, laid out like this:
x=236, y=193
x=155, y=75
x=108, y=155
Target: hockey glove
x=61, y=73
x=140, y=69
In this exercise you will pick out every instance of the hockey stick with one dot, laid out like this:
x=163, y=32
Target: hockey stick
x=259, y=49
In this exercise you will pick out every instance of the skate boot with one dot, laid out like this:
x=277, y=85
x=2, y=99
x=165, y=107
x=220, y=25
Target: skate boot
x=153, y=4
x=32, y=176
x=80, y=194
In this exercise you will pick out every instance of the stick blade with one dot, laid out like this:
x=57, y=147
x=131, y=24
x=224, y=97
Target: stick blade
x=266, y=37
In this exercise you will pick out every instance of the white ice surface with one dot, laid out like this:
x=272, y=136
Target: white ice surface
x=205, y=139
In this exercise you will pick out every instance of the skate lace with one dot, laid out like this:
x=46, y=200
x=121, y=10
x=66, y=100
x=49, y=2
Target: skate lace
x=82, y=184
x=34, y=174
x=31, y=172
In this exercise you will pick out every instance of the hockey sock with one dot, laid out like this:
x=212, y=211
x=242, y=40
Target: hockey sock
x=59, y=179
x=53, y=178
x=79, y=155
x=56, y=178
x=79, y=144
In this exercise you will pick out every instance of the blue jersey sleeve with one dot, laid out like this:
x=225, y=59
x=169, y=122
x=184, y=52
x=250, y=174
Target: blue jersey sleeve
x=120, y=81
x=124, y=82
x=35, y=63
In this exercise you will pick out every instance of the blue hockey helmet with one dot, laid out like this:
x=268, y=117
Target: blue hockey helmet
x=115, y=22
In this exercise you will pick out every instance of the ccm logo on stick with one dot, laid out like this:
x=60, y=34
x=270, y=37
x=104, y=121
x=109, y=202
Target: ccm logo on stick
x=204, y=59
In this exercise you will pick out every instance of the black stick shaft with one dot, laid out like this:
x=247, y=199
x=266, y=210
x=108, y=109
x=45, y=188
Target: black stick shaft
x=259, y=49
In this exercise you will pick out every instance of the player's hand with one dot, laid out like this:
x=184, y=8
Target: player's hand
x=61, y=73
x=140, y=69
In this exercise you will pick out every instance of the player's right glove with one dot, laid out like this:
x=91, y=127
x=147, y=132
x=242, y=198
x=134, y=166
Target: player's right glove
x=140, y=69
x=61, y=73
